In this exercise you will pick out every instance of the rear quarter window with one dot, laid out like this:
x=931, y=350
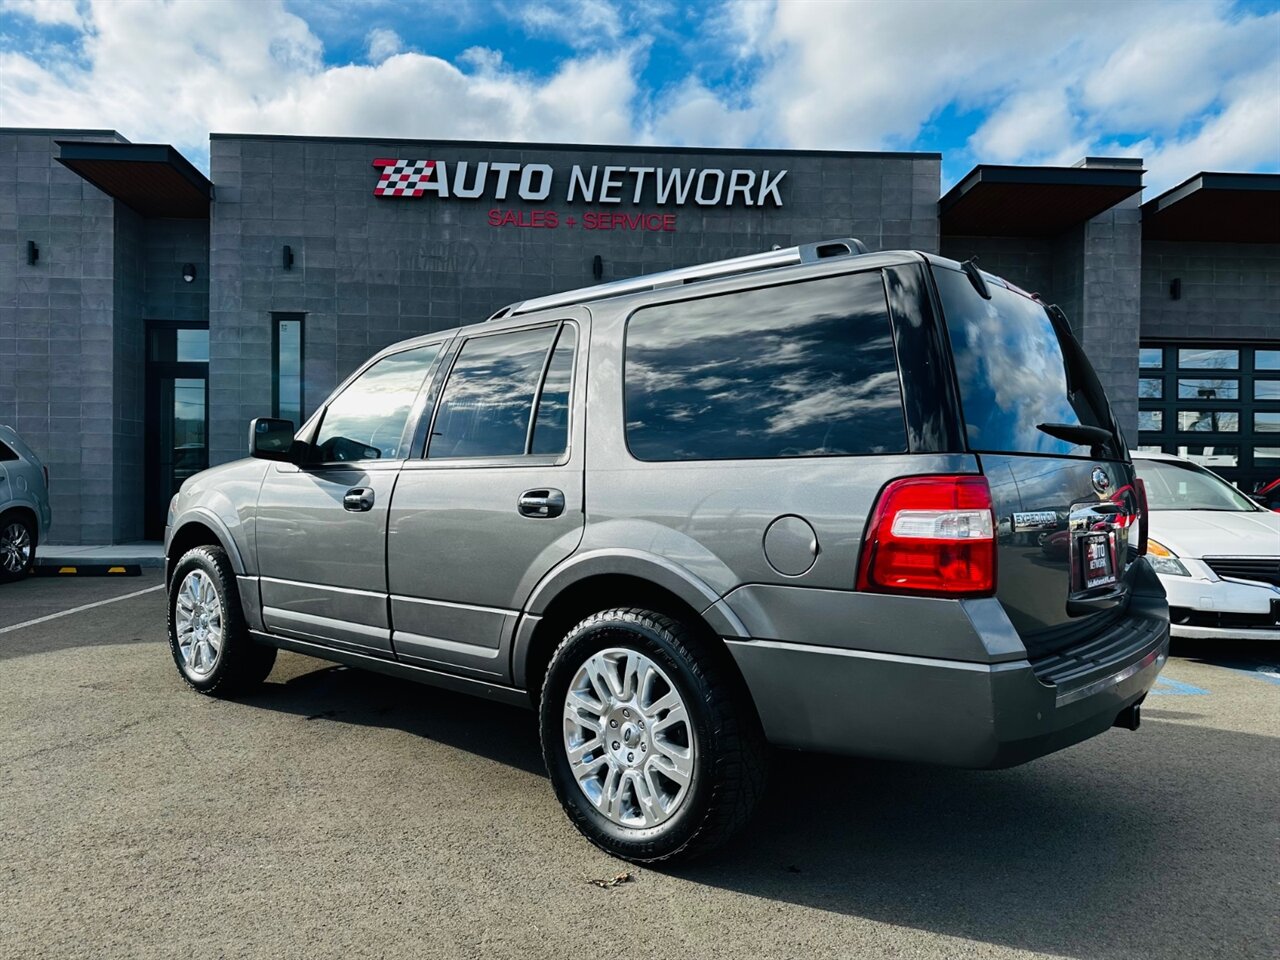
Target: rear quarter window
x=1013, y=371
x=6, y=452
x=802, y=370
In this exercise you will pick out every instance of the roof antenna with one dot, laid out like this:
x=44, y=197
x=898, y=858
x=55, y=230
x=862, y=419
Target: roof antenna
x=970, y=268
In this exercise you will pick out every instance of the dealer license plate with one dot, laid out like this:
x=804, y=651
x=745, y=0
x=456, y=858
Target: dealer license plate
x=1095, y=552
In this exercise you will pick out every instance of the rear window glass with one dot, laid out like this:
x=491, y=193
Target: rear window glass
x=1014, y=372
x=802, y=370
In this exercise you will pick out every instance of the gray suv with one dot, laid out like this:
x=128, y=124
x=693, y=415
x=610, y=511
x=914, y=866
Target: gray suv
x=24, y=505
x=817, y=498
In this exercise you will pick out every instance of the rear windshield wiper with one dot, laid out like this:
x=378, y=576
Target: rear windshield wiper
x=1077, y=433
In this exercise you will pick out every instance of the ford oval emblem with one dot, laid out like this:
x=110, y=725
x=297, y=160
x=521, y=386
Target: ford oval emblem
x=1101, y=481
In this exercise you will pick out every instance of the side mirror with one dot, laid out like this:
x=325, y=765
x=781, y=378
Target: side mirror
x=271, y=439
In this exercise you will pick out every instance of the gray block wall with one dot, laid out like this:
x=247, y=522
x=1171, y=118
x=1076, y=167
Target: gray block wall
x=1229, y=290
x=126, y=454
x=370, y=271
x=1110, y=307
x=57, y=336
x=1025, y=261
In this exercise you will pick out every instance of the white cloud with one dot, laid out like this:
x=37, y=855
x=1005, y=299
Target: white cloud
x=382, y=43
x=1035, y=127
x=579, y=23
x=65, y=12
x=251, y=66
x=1185, y=83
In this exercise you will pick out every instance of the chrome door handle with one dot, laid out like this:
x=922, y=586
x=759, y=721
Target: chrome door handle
x=541, y=504
x=358, y=499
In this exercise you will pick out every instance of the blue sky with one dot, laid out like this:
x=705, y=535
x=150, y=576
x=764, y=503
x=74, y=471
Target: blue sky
x=1186, y=84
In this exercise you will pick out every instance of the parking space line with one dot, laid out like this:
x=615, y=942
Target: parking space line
x=80, y=609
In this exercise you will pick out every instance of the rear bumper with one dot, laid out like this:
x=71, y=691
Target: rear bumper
x=956, y=713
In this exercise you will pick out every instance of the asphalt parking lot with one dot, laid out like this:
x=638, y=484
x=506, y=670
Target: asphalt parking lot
x=338, y=813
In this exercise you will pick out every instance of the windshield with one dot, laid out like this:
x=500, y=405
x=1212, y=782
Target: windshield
x=1184, y=486
x=1016, y=371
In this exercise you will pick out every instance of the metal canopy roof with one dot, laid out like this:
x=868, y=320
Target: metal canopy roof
x=152, y=178
x=1004, y=201
x=1226, y=207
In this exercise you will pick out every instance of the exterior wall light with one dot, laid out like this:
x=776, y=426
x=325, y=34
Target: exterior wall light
x=33, y=253
x=597, y=267
x=188, y=272
x=288, y=257
x=1175, y=289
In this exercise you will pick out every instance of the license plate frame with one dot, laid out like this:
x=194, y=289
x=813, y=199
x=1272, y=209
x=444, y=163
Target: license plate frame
x=1097, y=561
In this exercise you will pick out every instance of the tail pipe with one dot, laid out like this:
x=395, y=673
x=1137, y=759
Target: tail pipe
x=1130, y=718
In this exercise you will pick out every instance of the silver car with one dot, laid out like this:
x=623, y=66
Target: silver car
x=24, y=505
x=817, y=498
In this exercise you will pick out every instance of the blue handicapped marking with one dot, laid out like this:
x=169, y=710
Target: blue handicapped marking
x=1168, y=685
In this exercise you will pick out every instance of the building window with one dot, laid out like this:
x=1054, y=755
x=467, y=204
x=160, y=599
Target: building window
x=1216, y=389
x=286, y=368
x=1230, y=391
x=1208, y=421
x=178, y=344
x=1197, y=359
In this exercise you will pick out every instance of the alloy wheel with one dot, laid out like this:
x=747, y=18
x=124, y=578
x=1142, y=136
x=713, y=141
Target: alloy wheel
x=198, y=623
x=629, y=738
x=15, y=547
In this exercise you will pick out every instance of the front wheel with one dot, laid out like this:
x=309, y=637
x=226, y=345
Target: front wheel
x=651, y=743
x=208, y=636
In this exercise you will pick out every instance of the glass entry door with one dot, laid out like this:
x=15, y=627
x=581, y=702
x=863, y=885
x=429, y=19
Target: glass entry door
x=177, y=444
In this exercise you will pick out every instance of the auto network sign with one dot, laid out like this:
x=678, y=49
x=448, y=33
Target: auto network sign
x=671, y=187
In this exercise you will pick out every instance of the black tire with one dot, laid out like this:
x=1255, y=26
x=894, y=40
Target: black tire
x=731, y=761
x=242, y=663
x=29, y=525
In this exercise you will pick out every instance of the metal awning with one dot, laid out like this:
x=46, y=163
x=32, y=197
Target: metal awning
x=152, y=178
x=1224, y=207
x=1004, y=201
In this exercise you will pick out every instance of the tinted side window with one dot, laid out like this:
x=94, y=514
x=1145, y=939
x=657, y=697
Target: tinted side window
x=6, y=453
x=1013, y=370
x=487, y=403
x=365, y=421
x=801, y=370
x=551, y=423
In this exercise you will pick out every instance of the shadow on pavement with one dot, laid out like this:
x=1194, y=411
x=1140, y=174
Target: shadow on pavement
x=1159, y=843
x=502, y=733
x=1235, y=654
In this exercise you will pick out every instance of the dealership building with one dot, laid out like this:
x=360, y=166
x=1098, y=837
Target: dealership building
x=148, y=312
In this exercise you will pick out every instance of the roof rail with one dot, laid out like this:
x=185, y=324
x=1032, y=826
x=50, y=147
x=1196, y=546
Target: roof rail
x=805, y=253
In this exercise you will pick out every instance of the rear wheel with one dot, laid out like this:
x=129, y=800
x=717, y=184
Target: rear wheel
x=652, y=746
x=17, y=546
x=208, y=636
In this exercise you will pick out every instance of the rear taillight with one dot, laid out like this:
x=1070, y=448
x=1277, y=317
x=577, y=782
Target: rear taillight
x=46, y=475
x=933, y=537
x=1144, y=520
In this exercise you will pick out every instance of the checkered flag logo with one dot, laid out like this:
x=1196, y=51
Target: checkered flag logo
x=402, y=178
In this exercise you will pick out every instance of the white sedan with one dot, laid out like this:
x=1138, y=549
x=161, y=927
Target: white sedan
x=1216, y=551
